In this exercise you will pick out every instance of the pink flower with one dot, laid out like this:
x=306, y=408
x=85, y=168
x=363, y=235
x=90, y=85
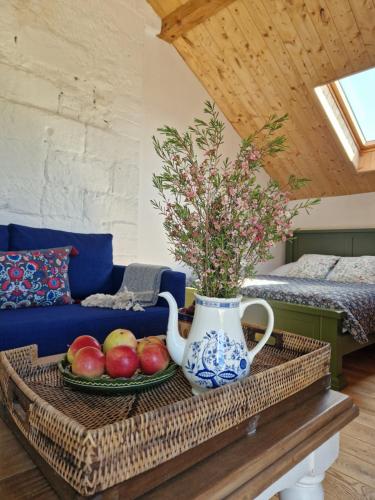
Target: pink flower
x=254, y=155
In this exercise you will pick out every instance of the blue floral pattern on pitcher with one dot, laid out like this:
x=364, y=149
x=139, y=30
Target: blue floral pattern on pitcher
x=217, y=360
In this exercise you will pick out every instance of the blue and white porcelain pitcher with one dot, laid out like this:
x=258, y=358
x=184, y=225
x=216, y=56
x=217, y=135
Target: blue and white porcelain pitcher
x=215, y=352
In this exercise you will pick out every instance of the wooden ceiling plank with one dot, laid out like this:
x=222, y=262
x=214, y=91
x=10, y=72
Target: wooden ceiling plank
x=333, y=157
x=209, y=75
x=282, y=24
x=291, y=40
x=311, y=41
x=233, y=55
x=188, y=16
x=350, y=33
x=228, y=78
x=232, y=59
x=293, y=45
x=245, y=63
x=330, y=38
x=203, y=71
x=300, y=96
x=317, y=134
x=364, y=13
x=322, y=180
x=230, y=81
x=275, y=51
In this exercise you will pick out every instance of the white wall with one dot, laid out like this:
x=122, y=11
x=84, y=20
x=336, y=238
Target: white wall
x=71, y=108
x=340, y=212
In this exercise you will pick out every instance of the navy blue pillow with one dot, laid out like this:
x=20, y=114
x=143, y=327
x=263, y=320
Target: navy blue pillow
x=89, y=272
x=4, y=238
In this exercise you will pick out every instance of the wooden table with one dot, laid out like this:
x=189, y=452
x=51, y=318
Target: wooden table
x=284, y=449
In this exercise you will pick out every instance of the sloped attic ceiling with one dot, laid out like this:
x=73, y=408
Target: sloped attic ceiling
x=260, y=57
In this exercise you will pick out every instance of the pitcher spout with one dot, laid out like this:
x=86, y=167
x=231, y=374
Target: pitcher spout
x=175, y=343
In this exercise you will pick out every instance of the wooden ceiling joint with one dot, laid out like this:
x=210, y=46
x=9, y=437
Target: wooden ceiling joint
x=189, y=15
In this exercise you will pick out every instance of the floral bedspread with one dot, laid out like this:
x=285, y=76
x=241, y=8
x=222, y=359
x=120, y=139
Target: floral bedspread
x=356, y=300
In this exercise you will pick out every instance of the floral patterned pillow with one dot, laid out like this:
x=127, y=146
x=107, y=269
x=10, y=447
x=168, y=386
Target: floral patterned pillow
x=32, y=278
x=283, y=270
x=314, y=266
x=354, y=270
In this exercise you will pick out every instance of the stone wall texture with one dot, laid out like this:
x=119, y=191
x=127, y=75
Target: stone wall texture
x=71, y=80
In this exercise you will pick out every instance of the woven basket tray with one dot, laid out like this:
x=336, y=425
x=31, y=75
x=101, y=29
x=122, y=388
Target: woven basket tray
x=95, y=442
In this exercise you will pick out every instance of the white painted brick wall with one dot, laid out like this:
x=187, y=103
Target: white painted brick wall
x=71, y=110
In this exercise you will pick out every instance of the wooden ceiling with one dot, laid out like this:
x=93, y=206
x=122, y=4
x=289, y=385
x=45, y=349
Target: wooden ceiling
x=263, y=57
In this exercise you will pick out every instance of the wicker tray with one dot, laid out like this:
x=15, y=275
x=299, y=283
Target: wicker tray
x=94, y=442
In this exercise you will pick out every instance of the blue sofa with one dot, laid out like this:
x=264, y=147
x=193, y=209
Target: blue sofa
x=91, y=271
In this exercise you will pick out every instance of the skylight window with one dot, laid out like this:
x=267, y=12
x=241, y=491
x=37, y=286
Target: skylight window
x=359, y=93
x=349, y=104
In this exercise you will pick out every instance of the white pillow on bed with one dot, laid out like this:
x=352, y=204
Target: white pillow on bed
x=314, y=266
x=354, y=270
x=283, y=270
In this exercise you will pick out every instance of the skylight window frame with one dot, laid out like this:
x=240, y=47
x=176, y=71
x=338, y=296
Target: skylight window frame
x=349, y=118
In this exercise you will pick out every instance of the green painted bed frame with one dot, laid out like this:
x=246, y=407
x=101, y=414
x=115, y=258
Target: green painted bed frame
x=324, y=324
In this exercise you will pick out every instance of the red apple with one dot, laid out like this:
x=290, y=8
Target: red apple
x=122, y=361
x=89, y=362
x=78, y=343
x=154, y=358
x=119, y=337
x=149, y=341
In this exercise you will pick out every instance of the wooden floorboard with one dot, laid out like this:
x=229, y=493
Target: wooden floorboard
x=352, y=477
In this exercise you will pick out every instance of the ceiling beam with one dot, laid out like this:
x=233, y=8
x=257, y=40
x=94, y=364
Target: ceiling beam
x=188, y=16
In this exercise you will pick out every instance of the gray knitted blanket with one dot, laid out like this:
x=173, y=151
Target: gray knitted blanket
x=139, y=289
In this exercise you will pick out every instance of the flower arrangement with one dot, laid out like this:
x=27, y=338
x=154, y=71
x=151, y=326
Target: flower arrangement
x=219, y=220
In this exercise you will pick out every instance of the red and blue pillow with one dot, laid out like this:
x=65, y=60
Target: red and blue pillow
x=33, y=278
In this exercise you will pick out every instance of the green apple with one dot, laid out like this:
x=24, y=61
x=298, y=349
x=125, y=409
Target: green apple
x=119, y=337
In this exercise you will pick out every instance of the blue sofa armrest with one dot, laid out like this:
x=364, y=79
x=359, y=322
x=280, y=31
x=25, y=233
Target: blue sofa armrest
x=117, y=277
x=171, y=281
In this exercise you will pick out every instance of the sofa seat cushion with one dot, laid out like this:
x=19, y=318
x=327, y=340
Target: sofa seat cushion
x=89, y=272
x=54, y=328
x=4, y=238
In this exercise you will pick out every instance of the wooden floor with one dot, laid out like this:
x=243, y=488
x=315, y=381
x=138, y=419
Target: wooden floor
x=352, y=477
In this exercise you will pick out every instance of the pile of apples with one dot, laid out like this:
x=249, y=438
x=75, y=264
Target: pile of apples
x=122, y=355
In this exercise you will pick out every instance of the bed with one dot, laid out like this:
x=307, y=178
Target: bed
x=319, y=322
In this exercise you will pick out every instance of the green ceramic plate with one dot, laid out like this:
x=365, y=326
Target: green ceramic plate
x=107, y=385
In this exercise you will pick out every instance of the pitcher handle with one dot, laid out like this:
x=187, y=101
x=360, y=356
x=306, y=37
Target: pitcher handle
x=270, y=323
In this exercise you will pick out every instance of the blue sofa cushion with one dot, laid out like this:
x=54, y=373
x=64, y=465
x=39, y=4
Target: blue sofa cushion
x=173, y=282
x=4, y=238
x=89, y=272
x=54, y=328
